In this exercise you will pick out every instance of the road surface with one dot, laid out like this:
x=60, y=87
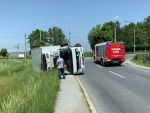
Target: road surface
x=117, y=89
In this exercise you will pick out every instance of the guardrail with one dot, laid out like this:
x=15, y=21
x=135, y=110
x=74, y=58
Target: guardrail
x=144, y=57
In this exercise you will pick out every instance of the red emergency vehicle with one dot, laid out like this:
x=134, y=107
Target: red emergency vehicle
x=109, y=52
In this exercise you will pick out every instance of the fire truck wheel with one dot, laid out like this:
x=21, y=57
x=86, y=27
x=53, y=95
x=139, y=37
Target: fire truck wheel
x=120, y=63
x=102, y=62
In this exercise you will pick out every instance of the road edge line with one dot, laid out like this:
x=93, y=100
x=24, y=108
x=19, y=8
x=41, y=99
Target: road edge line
x=87, y=98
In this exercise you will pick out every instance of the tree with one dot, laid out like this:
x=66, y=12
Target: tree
x=99, y=34
x=110, y=30
x=4, y=52
x=77, y=45
x=56, y=36
x=38, y=38
x=94, y=36
x=128, y=36
x=146, y=25
x=105, y=32
x=141, y=36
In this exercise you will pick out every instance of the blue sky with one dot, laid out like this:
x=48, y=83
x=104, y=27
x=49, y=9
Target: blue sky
x=18, y=17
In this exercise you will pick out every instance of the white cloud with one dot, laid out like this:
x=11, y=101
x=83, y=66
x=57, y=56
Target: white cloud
x=116, y=17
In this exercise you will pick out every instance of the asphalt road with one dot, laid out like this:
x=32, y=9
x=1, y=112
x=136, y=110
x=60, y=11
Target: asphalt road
x=117, y=89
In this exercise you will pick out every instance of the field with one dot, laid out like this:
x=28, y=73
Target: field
x=24, y=91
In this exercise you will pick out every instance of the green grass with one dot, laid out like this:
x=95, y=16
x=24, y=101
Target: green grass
x=140, y=62
x=24, y=91
x=139, y=52
x=88, y=54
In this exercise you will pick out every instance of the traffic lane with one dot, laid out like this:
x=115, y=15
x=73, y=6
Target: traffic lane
x=97, y=93
x=99, y=84
x=113, y=92
x=138, y=80
x=129, y=69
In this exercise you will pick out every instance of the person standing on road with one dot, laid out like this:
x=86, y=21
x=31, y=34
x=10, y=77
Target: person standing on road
x=60, y=67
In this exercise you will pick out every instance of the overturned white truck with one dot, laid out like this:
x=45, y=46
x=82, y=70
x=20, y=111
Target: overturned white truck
x=44, y=58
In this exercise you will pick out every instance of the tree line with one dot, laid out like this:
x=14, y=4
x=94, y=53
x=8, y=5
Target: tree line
x=105, y=32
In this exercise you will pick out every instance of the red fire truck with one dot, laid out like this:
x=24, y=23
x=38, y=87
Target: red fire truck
x=109, y=52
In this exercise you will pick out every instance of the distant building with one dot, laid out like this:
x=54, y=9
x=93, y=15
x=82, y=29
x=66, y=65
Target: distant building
x=21, y=56
x=15, y=54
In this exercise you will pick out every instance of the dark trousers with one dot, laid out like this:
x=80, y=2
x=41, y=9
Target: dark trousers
x=61, y=73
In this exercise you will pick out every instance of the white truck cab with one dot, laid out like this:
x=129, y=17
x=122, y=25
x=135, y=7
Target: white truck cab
x=74, y=59
x=44, y=58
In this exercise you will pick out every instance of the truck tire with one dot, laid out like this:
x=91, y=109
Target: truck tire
x=94, y=60
x=103, y=63
x=120, y=63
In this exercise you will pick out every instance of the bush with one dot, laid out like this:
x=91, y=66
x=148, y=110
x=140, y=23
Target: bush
x=3, y=52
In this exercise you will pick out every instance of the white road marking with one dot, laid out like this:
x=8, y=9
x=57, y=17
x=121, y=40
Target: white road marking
x=99, y=66
x=116, y=74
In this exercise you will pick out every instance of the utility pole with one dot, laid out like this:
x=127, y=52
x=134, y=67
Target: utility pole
x=25, y=55
x=115, y=28
x=69, y=37
x=40, y=35
x=86, y=48
x=115, y=33
x=18, y=48
x=134, y=41
x=134, y=46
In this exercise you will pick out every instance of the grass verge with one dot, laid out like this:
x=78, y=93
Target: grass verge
x=140, y=62
x=88, y=54
x=23, y=90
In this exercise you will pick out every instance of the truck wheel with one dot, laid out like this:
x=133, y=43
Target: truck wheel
x=105, y=64
x=120, y=63
x=95, y=60
x=102, y=62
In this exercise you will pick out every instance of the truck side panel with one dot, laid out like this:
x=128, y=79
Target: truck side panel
x=36, y=59
x=101, y=51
